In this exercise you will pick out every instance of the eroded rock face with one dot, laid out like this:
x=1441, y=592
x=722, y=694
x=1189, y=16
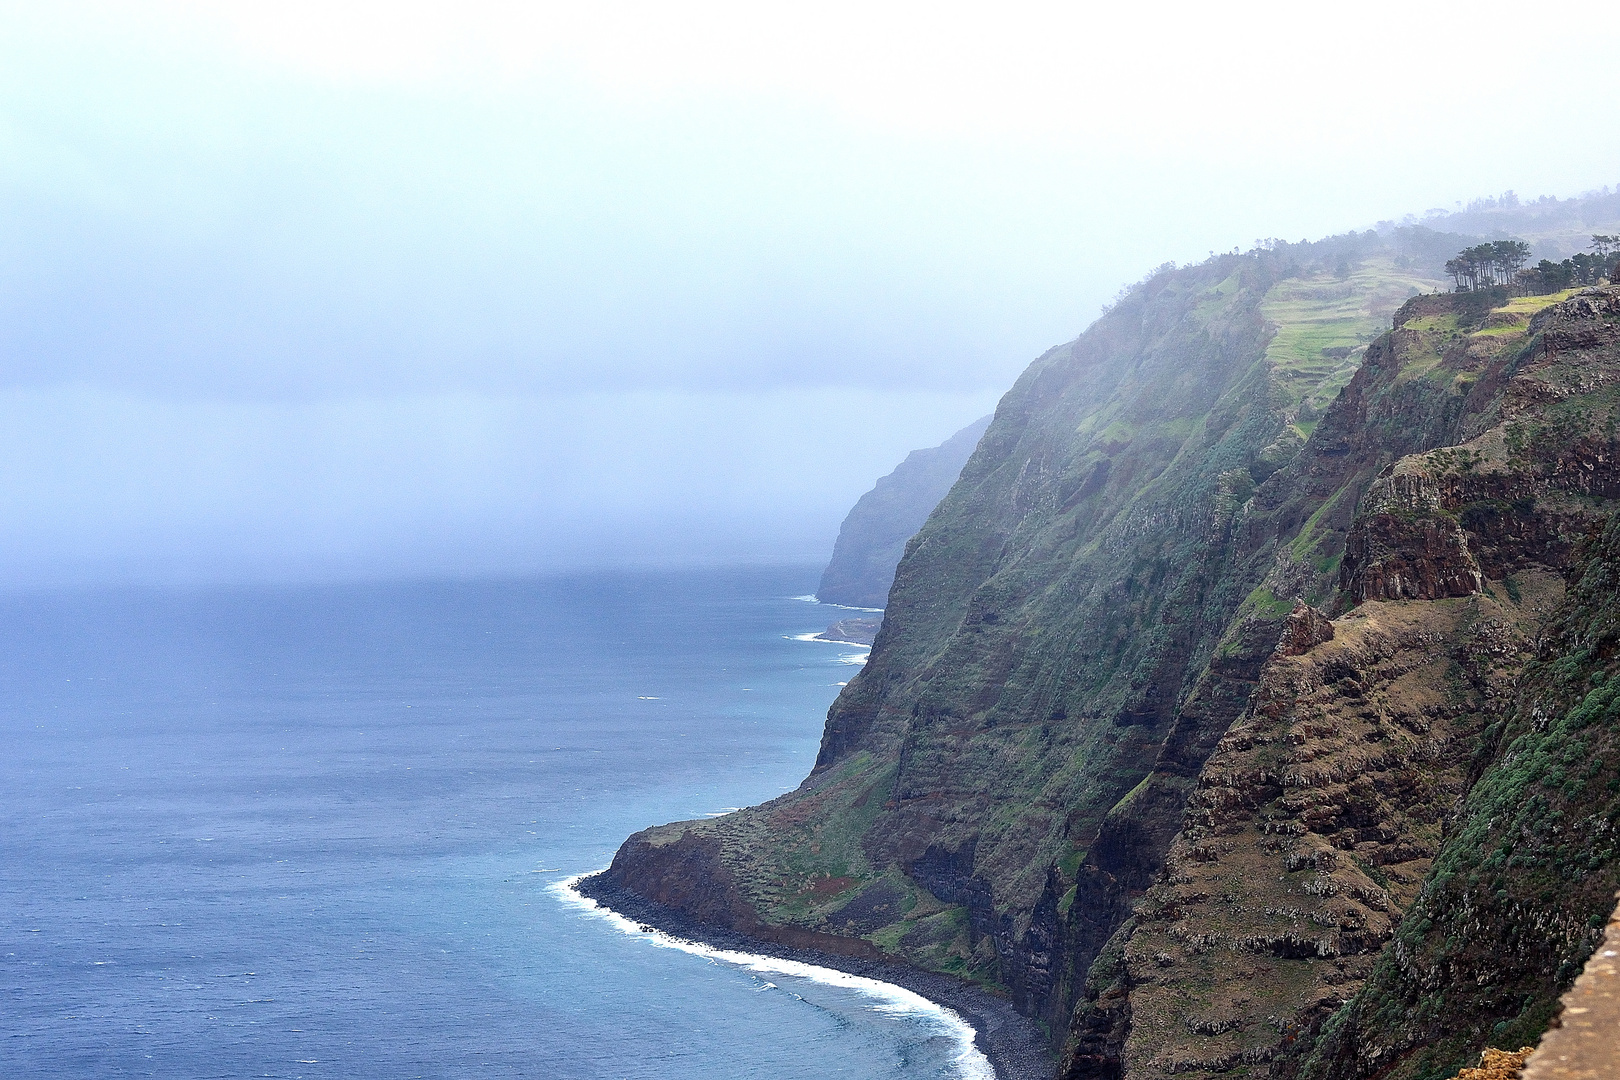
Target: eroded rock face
x=1409, y=557
x=685, y=874
x=1303, y=630
x=1517, y=897
x=1312, y=827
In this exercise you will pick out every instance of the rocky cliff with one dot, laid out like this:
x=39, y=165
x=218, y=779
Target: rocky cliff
x=873, y=536
x=1283, y=936
x=1190, y=688
x=1103, y=556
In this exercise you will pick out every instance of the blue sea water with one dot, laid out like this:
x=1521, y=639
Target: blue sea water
x=317, y=832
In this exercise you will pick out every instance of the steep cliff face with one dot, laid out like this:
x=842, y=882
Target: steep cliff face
x=1100, y=563
x=1415, y=390
x=1185, y=716
x=1318, y=825
x=1311, y=829
x=874, y=534
x=1517, y=896
x=1526, y=876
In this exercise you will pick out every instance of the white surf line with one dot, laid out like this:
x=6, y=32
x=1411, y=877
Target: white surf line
x=847, y=658
x=892, y=1000
x=812, y=599
x=815, y=635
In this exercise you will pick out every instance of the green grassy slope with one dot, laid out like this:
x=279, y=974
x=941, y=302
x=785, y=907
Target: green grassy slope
x=1048, y=620
x=1088, y=611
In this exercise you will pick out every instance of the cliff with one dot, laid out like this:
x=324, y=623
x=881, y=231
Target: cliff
x=1097, y=562
x=1200, y=701
x=1524, y=880
x=874, y=533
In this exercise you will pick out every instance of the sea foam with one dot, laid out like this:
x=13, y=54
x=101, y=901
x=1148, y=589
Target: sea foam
x=889, y=999
x=844, y=658
x=814, y=599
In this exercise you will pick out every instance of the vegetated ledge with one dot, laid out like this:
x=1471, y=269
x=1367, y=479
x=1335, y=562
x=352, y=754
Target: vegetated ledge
x=1015, y=1044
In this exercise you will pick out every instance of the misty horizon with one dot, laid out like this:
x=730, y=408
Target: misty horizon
x=325, y=296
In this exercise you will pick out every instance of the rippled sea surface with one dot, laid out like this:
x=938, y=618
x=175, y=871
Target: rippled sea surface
x=311, y=832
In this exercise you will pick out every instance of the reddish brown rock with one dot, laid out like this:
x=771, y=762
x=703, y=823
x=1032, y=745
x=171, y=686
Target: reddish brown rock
x=1392, y=556
x=1303, y=630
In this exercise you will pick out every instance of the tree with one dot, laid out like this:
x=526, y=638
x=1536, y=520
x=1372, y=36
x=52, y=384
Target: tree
x=1606, y=249
x=1508, y=256
x=1487, y=265
x=1547, y=276
x=1463, y=271
x=1589, y=269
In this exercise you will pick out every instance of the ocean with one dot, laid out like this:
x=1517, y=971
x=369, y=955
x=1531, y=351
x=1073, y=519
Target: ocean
x=326, y=831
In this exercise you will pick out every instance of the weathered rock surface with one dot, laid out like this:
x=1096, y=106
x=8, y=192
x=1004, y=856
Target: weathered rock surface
x=1312, y=827
x=1521, y=887
x=1112, y=757
x=1497, y=1065
x=1418, y=557
x=1303, y=630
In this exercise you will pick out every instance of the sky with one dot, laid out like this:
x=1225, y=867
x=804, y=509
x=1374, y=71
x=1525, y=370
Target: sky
x=320, y=291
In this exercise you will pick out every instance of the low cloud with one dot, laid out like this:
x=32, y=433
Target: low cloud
x=107, y=486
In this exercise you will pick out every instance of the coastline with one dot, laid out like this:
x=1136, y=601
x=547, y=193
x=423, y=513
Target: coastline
x=867, y=645
x=1013, y=1044
x=811, y=598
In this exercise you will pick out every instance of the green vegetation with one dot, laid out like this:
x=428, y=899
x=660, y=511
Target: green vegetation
x=1500, y=265
x=1324, y=322
x=1074, y=640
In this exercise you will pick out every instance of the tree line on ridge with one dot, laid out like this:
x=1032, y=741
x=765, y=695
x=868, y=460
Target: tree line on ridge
x=1501, y=264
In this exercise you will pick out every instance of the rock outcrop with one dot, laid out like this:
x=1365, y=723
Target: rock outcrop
x=1316, y=836
x=1498, y=1065
x=1303, y=630
x=861, y=631
x=1233, y=693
